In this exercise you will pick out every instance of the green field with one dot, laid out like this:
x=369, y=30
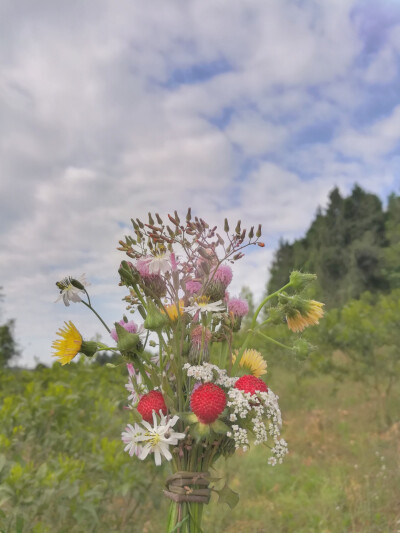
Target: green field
x=63, y=469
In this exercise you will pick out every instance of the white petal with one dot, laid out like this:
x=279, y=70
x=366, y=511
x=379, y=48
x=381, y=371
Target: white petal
x=147, y=425
x=157, y=457
x=173, y=421
x=155, y=419
x=167, y=454
x=145, y=452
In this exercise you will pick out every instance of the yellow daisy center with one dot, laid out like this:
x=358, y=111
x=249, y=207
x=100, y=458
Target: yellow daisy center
x=202, y=301
x=154, y=438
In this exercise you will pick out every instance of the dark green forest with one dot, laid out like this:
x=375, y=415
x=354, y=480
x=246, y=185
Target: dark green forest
x=353, y=246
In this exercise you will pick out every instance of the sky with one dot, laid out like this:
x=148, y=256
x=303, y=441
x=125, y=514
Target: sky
x=249, y=109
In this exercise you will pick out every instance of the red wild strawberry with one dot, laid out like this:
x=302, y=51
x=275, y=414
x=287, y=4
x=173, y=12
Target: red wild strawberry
x=207, y=402
x=251, y=384
x=152, y=401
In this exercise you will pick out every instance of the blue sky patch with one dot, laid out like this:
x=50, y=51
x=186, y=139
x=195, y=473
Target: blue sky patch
x=196, y=73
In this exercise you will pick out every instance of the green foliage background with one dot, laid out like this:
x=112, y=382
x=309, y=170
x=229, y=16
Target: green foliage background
x=62, y=465
x=63, y=468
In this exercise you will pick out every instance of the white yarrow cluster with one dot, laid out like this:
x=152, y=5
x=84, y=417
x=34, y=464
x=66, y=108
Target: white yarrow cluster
x=257, y=408
x=278, y=451
x=207, y=372
x=240, y=437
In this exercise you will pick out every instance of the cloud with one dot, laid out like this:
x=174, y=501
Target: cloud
x=383, y=68
x=254, y=135
x=248, y=110
x=376, y=140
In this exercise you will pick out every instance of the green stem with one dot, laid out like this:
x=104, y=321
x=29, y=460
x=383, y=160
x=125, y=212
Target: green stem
x=87, y=294
x=177, y=361
x=264, y=323
x=253, y=325
x=266, y=299
x=270, y=339
x=104, y=347
x=143, y=373
x=95, y=312
x=160, y=341
x=139, y=295
x=147, y=338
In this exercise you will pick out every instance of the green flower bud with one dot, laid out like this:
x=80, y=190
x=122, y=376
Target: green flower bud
x=127, y=342
x=302, y=349
x=300, y=280
x=128, y=275
x=236, y=323
x=141, y=310
x=77, y=284
x=155, y=320
x=215, y=291
x=89, y=348
x=293, y=304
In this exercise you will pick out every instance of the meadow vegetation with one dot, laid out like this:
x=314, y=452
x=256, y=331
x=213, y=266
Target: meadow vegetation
x=62, y=464
x=63, y=469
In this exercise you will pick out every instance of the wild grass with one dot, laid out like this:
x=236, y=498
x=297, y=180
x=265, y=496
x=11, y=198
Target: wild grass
x=63, y=469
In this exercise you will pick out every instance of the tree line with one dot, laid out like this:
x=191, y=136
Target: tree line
x=353, y=246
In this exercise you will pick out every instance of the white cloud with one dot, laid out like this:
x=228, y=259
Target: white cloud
x=374, y=141
x=383, y=68
x=93, y=131
x=287, y=204
x=255, y=135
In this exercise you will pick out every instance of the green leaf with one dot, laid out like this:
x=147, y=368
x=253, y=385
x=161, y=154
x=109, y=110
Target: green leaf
x=219, y=427
x=189, y=418
x=201, y=430
x=228, y=496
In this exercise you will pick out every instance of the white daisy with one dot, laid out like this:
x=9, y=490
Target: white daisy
x=135, y=385
x=201, y=305
x=158, y=438
x=68, y=291
x=160, y=264
x=130, y=438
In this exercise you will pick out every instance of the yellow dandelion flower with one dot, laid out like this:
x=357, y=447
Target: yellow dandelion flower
x=69, y=345
x=252, y=361
x=173, y=310
x=298, y=321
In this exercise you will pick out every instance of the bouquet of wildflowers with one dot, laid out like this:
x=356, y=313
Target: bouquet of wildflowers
x=193, y=398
